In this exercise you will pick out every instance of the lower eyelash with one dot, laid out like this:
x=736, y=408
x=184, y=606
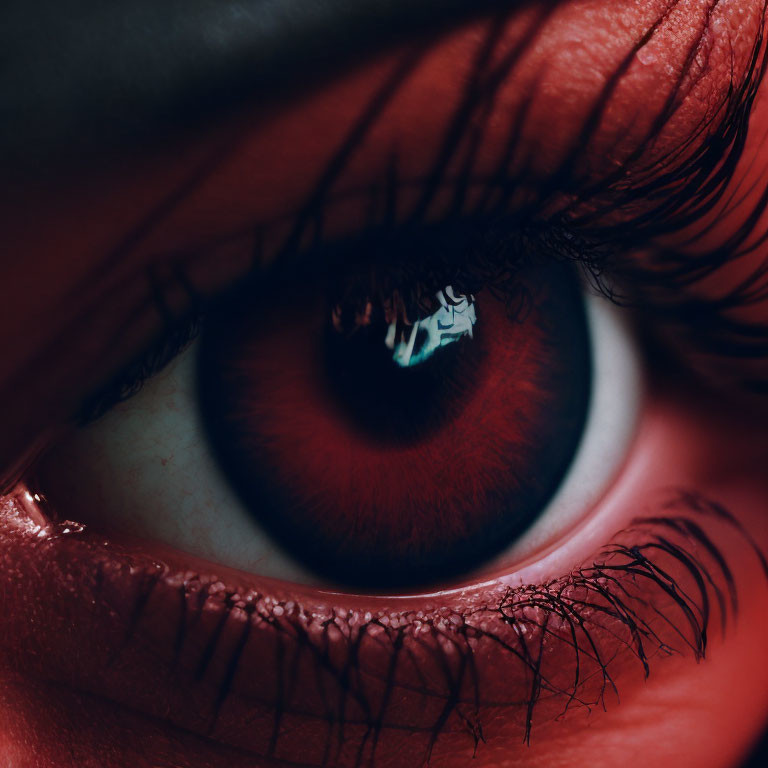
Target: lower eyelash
x=654, y=591
x=250, y=667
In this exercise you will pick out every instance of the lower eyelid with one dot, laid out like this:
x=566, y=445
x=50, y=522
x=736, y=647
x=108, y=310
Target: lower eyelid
x=389, y=663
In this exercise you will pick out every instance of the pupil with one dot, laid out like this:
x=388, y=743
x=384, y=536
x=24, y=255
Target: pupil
x=399, y=381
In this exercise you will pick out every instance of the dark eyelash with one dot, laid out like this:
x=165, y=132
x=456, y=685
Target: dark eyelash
x=655, y=591
x=685, y=184
x=676, y=191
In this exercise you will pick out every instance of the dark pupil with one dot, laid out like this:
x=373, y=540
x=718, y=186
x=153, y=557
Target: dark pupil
x=400, y=402
x=382, y=475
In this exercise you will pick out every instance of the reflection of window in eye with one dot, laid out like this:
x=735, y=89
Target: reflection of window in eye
x=497, y=192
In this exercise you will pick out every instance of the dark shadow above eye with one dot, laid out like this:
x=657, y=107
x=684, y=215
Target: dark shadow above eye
x=84, y=76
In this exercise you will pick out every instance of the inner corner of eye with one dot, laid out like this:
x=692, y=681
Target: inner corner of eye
x=365, y=438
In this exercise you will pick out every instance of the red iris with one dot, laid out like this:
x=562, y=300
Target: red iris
x=384, y=476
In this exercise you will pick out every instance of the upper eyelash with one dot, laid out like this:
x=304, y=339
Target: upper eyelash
x=689, y=190
x=686, y=191
x=178, y=334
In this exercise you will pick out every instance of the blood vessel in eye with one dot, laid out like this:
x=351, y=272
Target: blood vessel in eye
x=379, y=474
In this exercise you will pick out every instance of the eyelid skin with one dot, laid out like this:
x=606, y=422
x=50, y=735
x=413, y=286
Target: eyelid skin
x=201, y=202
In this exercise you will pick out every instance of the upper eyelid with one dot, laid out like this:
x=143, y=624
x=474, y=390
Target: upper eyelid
x=162, y=254
x=170, y=281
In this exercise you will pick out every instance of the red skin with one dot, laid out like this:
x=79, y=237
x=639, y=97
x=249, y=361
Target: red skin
x=687, y=714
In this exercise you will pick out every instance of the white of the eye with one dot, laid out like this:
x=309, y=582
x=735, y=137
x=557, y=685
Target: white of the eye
x=148, y=467
x=611, y=423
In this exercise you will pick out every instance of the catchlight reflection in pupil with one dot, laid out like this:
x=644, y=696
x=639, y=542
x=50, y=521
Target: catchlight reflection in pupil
x=454, y=320
x=389, y=458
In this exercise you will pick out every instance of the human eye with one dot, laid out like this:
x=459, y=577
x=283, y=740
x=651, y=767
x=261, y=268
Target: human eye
x=280, y=281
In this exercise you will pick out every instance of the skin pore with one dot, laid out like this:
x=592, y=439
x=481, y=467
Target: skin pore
x=88, y=251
